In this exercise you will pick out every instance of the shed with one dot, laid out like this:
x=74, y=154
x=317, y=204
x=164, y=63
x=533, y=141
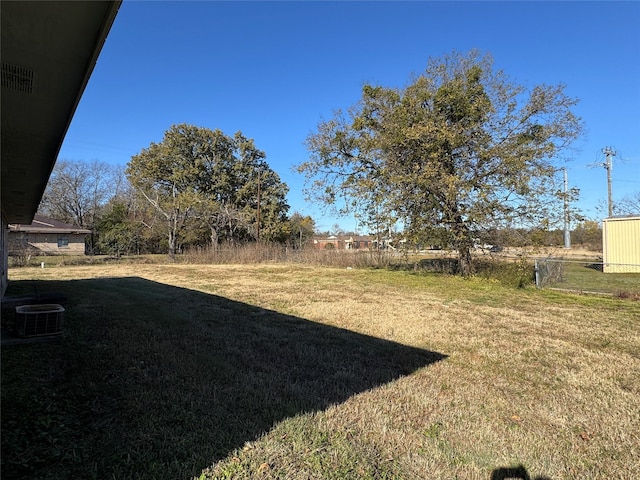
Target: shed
x=621, y=244
x=46, y=236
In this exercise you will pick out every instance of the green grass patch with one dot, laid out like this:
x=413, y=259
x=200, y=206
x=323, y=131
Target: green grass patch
x=589, y=277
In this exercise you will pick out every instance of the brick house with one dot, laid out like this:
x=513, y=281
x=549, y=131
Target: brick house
x=45, y=236
x=352, y=242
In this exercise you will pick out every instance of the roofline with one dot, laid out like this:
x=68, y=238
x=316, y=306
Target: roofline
x=29, y=229
x=627, y=217
x=99, y=42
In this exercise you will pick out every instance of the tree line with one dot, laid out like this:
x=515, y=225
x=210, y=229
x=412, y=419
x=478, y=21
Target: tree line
x=197, y=187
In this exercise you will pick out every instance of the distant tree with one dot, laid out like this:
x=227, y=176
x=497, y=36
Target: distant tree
x=125, y=224
x=118, y=232
x=629, y=205
x=242, y=198
x=589, y=234
x=77, y=190
x=300, y=230
x=514, y=237
x=462, y=147
x=198, y=176
x=336, y=230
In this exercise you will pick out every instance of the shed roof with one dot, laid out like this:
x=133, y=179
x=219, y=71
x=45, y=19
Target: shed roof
x=622, y=218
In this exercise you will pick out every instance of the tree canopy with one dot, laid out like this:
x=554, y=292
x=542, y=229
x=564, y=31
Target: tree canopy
x=76, y=190
x=202, y=178
x=460, y=149
x=628, y=205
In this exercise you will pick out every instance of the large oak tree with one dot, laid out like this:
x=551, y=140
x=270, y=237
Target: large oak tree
x=461, y=148
x=202, y=176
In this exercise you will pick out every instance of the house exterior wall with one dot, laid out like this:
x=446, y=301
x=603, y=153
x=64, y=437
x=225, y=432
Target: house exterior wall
x=4, y=253
x=346, y=243
x=621, y=245
x=47, y=243
x=357, y=244
x=324, y=244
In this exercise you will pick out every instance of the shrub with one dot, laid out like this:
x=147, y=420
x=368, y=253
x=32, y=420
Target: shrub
x=518, y=273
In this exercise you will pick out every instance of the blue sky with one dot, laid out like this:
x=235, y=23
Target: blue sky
x=275, y=69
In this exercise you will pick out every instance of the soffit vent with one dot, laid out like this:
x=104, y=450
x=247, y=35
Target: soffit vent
x=17, y=78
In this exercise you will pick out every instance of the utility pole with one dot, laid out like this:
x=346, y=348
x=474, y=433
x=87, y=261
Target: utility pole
x=567, y=232
x=609, y=152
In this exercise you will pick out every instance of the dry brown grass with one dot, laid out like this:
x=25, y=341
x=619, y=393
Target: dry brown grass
x=546, y=380
x=575, y=252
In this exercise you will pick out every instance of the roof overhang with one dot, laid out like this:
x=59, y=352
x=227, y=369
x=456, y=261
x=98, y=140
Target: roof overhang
x=42, y=224
x=49, y=50
x=28, y=229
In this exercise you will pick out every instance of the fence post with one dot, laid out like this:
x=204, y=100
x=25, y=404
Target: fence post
x=537, y=275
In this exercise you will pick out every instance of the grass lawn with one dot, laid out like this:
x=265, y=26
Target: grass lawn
x=287, y=371
x=588, y=277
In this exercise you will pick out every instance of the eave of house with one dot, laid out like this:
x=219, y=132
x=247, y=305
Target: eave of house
x=52, y=230
x=48, y=51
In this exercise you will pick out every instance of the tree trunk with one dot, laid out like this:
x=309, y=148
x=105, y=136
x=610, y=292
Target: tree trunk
x=172, y=244
x=463, y=244
x=465, y=266
x=214, y=238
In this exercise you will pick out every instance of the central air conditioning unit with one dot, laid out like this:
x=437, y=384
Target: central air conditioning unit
x=39, y=320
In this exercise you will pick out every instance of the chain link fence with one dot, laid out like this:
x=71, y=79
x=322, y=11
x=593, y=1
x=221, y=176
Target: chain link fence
x=588, y=277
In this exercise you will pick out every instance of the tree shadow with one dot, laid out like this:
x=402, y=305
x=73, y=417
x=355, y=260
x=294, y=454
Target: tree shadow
x=157, y=381
x=516, y=473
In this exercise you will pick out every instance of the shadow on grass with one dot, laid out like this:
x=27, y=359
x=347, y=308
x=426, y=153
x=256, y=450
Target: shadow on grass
x=516, y=473
x=156, y=381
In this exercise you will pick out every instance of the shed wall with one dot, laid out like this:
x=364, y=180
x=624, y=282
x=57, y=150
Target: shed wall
x=621, y=245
